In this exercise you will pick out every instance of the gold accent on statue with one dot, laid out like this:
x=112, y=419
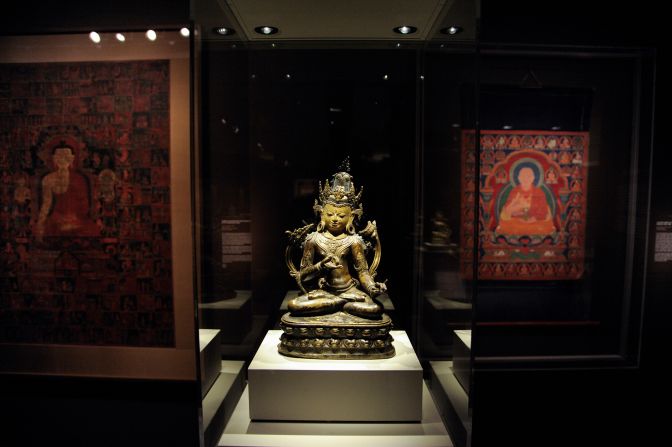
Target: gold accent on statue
x=336, y=316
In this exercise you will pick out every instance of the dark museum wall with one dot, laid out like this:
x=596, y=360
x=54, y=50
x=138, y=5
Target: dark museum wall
x=42, y=16
x=85, y=412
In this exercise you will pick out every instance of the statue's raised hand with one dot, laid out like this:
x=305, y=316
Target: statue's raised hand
x=330, y=262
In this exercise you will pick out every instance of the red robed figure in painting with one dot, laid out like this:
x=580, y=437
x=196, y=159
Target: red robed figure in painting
x=65, y=200
x=532, y=208
x=526, y=210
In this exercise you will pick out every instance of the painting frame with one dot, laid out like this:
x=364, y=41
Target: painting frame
x=177, y=360
x=541, y=234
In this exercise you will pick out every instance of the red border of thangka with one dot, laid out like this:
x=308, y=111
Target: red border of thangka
x=570, y=266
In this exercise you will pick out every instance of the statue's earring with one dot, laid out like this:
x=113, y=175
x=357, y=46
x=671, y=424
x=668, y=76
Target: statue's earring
x=350, y=228
x=317, y=209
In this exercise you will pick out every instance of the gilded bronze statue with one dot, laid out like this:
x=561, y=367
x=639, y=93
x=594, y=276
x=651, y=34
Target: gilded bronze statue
x=336, y=314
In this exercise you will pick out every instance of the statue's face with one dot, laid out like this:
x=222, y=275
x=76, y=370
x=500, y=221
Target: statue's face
x=336, y=217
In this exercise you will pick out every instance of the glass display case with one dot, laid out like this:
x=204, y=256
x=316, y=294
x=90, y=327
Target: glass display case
x=164, y=195
x=283, y=131
x=561, y=276
x=96, y=267
x=279, y=121
x=94, y=159
x=487, y=170
x=446, y=286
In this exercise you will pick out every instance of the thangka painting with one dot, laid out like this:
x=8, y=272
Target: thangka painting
x=532, y=204
x=85, y=254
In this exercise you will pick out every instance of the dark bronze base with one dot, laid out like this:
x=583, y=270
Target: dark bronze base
x=336, y=336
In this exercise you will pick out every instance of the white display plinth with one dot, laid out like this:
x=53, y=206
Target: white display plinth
x=294, y=389
x=219, y=403
x=241, y=431
x=465, y=337
x=462, y=358
x=211, y=357
x=452, y=400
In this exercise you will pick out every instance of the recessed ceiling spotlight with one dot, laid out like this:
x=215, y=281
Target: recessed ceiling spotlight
x=556, y=128
x=120, y=37
x=151, y=34
x=224, y=31
x=266, y=30
x=507, y=127
x=405, y=29
x=452, y=30
x=94, y=36
x=185, y=32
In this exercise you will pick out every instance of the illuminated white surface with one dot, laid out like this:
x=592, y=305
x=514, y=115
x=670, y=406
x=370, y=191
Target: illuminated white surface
x=241, y=431
x=465, y=336
x=335, y=390
x=205, y=336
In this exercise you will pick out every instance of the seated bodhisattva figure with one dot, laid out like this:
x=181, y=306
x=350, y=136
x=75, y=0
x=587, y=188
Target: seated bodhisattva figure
x=335, y=314
x=334, y=258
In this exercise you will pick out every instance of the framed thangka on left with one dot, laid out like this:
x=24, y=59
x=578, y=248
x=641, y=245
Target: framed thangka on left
x=85, y=222
x=531, y=205
x=94, y=189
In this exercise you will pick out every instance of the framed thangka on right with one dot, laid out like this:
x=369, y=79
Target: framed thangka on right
x=531, y=207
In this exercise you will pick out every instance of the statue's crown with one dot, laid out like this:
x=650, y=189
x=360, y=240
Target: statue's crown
x=341, y=190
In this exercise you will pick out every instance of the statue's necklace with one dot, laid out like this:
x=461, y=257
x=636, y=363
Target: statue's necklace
x=336, y=247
